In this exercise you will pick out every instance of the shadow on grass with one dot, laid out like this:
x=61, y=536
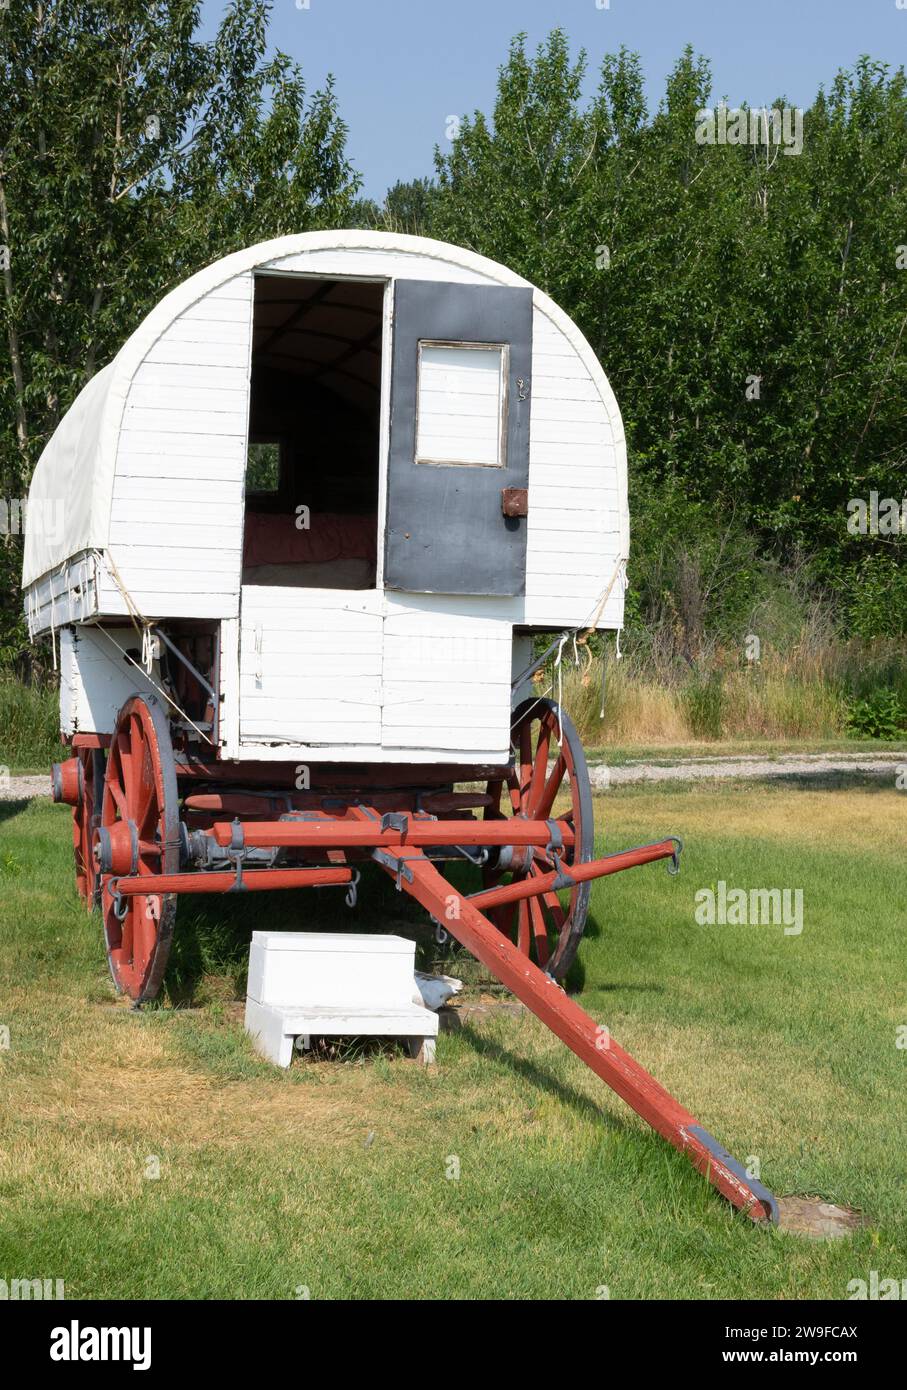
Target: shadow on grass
x=212, y=934
x=540, y=1077
x=9, y=809
x=851, y=781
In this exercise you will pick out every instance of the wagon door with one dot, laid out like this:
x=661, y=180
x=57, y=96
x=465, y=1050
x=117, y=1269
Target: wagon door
x=458, y=468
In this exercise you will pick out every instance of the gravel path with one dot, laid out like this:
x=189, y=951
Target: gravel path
x=687, y=770
x=22, y=788
x=785, y=765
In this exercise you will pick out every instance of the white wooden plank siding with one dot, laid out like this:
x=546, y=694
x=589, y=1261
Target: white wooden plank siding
x=95, y=678
x=310, y=667
x=335, y=673
x=177, y=511
x=573, y=528
x=446, y=674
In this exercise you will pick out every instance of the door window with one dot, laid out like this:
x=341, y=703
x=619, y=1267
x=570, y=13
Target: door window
x=461, y=407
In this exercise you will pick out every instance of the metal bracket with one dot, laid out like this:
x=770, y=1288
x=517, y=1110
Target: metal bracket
x=539, y=660
x=719, y=1152
x=475, y=854
x=563, y=879
x=396, y=863
x=556, y=841
x=395, y=820
x=235, y=855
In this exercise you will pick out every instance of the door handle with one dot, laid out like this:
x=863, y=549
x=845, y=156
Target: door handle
x=515, y=501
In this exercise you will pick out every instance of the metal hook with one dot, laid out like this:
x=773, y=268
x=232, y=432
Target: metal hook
x=120, y=904
x=351, y=891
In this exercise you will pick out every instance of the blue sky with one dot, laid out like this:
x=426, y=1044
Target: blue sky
x=402, y=67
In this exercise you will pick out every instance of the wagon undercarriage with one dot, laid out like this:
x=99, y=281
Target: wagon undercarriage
x=165, y=827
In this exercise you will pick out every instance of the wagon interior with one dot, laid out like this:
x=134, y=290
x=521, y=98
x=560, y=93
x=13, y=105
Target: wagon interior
x=314, y=429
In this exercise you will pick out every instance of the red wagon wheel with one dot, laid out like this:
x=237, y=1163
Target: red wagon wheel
x=549, y=927
x=85, y=819
x=139, y=834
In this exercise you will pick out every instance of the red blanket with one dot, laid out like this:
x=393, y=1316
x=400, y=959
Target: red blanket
x=275, y=540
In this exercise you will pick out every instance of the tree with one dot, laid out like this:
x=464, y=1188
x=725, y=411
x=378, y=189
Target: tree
x=745, y=301
x=131, y=154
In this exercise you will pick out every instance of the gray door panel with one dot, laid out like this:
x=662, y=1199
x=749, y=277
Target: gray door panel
x=446, y=531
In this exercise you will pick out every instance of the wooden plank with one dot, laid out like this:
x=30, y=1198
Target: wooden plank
x=171, y=349
x=187, y=422
x=195, y=330
x=183, y=490
x=280, y=663
x=166, y=399
x=559, y=410
x=138, y=443
x=175, y=377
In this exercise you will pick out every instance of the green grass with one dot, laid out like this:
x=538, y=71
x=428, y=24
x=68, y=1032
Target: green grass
x=784, y=1047
x=617, y=755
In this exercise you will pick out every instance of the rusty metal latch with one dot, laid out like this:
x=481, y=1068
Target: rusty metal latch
x=515, y=501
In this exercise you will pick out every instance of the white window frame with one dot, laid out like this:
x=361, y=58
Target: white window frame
x=503, y=349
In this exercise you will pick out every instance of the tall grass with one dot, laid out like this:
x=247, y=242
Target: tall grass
x=804, y=692
x=723, y=645
x=29, y=724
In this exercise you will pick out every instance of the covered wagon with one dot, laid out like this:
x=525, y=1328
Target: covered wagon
x=312, y=517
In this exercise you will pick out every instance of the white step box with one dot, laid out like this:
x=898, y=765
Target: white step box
x=326, y=984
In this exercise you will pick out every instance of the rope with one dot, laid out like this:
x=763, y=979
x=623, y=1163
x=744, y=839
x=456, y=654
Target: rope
x=159, y=688
x=139, y=622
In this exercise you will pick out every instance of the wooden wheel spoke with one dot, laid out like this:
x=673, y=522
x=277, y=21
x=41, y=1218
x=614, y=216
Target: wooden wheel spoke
x=539, y=932
x=523, y=926
x=550, y=790
x=149, y=804
x=525, y=761
x=550, y=898
x=119, y=799
x=537, y=781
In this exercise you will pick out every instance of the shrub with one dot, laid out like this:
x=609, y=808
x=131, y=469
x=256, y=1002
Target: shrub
x=880, y=715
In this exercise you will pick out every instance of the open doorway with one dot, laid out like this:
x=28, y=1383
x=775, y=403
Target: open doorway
x=311, y=500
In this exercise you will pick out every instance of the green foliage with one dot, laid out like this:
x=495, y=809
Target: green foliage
x=407, y=208
x=880, y=715
x=131, y=154
x=694, y=269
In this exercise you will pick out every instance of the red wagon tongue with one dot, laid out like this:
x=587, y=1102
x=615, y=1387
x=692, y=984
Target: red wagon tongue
x=418, y=877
